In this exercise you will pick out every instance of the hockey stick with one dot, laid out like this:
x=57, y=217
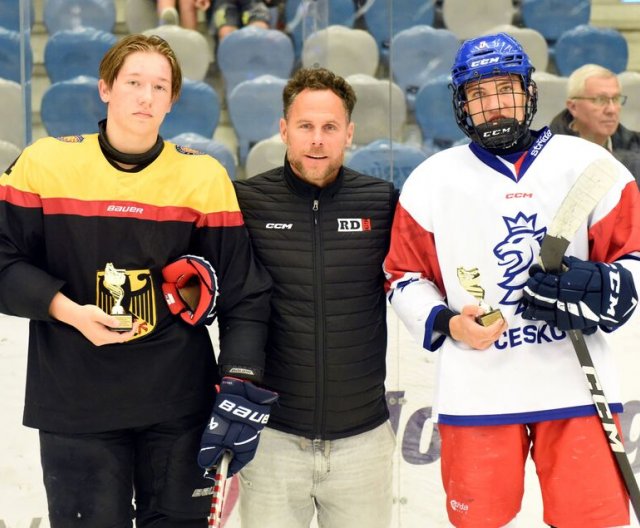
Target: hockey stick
x=219, y=488
x=590, y=187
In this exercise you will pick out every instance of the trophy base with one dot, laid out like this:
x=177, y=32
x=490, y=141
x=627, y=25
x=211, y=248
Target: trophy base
x=489, y=318
x=126, y=322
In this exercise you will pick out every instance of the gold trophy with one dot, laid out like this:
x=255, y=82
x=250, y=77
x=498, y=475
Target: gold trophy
x=470, y=281
x=113, y=281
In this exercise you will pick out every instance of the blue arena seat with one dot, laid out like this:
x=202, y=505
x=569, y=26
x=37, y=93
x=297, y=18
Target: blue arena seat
x=216, y=149
x=303, y=18
x=553, y=17
x=70, y=53
x=10, y=63
x=419, y=54
x=72, y=107
x=588, y=44
x=255, y=109
x=434, y=113
x=10, y=14
x=383, y=23
x=251, y=52
x=197, y=110
x=71, y=14
x=390, y=161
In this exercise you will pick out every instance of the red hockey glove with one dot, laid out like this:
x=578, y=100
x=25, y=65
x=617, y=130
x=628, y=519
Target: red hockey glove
x=191, y=289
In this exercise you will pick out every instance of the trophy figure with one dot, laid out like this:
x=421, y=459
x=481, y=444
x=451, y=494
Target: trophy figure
x=470, y=281
x=113, y=281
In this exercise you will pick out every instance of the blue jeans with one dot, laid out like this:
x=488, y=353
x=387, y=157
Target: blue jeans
x=348, y=482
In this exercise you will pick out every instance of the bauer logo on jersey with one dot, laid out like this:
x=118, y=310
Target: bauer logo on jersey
x=354, y=224
x=138, y=297
x=516, y=253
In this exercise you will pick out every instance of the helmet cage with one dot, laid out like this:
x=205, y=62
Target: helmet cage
x=484, y=58
x=518, y=129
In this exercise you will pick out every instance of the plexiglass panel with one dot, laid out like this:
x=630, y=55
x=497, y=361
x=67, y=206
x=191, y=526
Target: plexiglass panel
x=397, y=54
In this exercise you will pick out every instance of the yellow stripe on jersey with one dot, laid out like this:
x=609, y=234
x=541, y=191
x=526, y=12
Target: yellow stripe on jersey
x=78, y=170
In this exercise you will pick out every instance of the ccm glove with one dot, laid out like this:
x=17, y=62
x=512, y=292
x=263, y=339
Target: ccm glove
x=191, y=289
x=585, y=296
x=240, y=412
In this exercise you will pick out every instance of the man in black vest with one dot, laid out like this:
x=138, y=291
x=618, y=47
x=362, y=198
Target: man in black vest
x=322, y=232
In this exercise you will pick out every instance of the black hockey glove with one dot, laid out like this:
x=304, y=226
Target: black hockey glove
x=587, y=295
x=240, y=412
x=191, y=289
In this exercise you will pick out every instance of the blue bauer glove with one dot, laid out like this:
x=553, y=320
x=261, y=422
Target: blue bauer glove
x=240, y=412
x=587, y=295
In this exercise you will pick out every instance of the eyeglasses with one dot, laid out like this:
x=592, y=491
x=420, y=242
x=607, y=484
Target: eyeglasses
x=603, y=100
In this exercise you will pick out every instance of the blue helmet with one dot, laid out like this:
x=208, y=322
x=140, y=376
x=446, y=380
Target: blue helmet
x=482, y=58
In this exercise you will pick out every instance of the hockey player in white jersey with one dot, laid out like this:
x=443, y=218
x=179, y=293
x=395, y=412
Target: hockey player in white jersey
x=465, y=241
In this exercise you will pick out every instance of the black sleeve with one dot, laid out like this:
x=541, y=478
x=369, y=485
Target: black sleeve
x=244, y=302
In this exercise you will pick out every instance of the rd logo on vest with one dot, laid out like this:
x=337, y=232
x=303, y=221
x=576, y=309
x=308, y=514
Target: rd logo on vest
x=354, y=224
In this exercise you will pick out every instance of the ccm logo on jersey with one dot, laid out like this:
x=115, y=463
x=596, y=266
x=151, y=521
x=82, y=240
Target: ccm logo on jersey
x=354, y=224
x=274, y=225
x=243, y=412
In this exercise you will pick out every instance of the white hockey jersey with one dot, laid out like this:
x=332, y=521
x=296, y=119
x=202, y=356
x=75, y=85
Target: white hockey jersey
x=467, y=213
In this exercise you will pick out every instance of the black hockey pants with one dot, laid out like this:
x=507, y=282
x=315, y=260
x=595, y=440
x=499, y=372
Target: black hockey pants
x=94, y=480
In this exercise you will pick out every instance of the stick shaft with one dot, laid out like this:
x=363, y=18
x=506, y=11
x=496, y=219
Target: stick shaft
x=606, y=419
x=219, y=488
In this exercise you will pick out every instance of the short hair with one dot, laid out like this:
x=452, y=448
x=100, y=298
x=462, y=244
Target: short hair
x=578, y=78
x=114, y=59
x=318, y=79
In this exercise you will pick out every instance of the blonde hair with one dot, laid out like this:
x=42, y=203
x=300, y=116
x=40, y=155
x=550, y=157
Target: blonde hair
x=578, y=78
x=114, y=59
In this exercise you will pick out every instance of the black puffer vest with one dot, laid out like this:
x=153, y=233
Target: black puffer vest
x=327, y=341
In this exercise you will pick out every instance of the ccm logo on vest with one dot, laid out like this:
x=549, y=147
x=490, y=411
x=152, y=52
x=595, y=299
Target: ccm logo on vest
x=354, y=224
x=243, y=412
x=273, y=225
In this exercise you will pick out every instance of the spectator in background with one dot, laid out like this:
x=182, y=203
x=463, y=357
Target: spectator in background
x=229, y=15
x=322, y=232
x=186, y=14
x=594, y=101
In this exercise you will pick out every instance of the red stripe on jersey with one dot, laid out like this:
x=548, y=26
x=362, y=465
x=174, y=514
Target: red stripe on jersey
x=618, y=233
x=120, y=209
x=20, y=198
x=413, y=249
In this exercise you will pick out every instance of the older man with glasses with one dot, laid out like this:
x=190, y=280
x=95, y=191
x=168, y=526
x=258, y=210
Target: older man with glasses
x=593, y=110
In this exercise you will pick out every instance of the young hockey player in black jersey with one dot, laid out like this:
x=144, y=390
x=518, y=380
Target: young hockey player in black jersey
x=119, y=387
